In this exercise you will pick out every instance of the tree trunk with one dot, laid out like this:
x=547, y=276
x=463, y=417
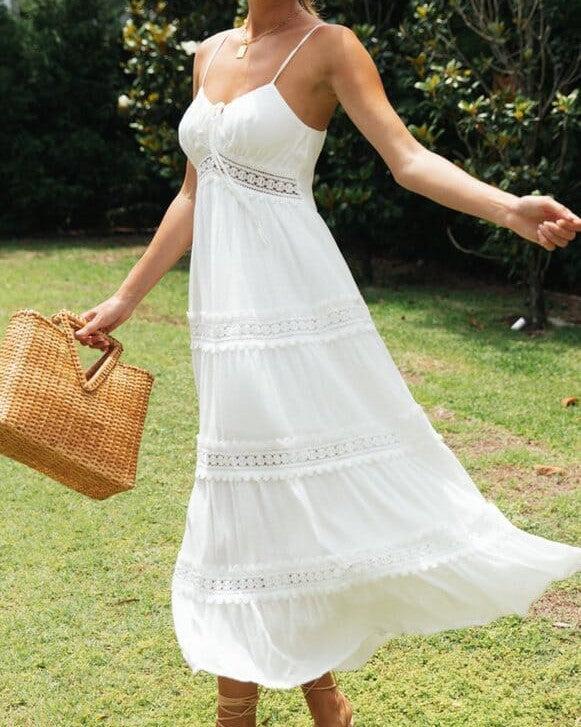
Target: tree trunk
x=536, y=275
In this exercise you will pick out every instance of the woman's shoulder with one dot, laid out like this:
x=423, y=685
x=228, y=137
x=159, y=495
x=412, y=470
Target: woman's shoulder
x=331, y=29
x=206, y=46
x=338, y=44
x=209, y=42
x=332, y=33
x=336, y=31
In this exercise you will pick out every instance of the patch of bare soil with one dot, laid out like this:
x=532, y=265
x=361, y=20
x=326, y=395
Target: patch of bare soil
x=110, y=255
x=482, y=439
x=25, y=254
x=528, y=484
x=413, y=366
x=564, y=306
x=562, y=607
x=411, y=378
x=440, y=413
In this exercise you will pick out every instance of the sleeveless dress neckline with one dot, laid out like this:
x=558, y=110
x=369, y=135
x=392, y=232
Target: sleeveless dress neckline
x=269, y=84
x=327, y=515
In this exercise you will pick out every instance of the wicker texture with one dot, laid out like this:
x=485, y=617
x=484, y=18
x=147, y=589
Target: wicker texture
x=82, y=429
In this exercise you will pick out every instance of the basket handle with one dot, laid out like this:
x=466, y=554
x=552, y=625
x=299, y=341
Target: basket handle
x=97, y=372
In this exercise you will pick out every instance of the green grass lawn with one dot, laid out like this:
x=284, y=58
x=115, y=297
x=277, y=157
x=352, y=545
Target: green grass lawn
x=86, y=635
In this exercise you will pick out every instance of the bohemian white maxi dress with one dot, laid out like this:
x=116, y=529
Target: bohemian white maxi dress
x=327, y=514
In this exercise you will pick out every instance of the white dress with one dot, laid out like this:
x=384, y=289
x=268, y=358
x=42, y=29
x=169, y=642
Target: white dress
x=327, y=514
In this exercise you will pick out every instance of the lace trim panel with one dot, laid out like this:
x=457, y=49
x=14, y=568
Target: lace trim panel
x=236, y=331
x=278, y=462
x=252, y=178
x=333, y=573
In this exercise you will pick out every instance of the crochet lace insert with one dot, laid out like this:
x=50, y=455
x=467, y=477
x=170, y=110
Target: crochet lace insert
x=252, y=178
x=334, y=572
x=329, y=320
x=220, y=460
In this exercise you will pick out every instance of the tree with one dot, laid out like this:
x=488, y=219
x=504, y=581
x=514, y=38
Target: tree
x=475, y=105
x=65, y=145
x=497, y=78
x=160, y=43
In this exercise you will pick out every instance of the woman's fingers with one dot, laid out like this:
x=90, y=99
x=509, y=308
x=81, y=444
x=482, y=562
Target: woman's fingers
x=544, y=240
x=567, y=227
x=557, y=234
x=568, y=224
x=556, y=209
x=91, y=328
x=97, y=341
x=91, y=332
x=551, y=236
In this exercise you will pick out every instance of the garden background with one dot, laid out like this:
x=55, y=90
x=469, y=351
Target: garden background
x=92, y=93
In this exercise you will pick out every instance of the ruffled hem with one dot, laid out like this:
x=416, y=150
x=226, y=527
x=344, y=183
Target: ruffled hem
x=284, y=642
x=429, y=548
x=284, y=458
x=329, y=319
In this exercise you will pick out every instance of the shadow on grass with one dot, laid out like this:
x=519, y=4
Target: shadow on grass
x=474, y=311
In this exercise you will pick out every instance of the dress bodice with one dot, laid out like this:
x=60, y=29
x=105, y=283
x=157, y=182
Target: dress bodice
x=257, y=128
x=255, y=141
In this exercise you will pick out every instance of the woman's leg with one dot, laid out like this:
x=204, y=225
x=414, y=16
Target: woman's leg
x=236, y=703
x=329, y=707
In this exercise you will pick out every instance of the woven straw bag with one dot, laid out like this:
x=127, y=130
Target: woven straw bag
x=82, y=429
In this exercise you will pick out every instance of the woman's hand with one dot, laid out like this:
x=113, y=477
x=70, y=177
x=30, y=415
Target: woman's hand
x=541, y=219
x=103, y=318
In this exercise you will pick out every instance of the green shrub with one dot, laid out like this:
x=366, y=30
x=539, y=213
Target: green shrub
x=497, y=96
x=159, y=42
x=445, y=97
x=70, y=157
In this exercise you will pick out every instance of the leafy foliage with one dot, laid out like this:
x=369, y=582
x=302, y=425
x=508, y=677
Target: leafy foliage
x=69, y=154
x=160, y=42
x=498, y=91
x=495, y=94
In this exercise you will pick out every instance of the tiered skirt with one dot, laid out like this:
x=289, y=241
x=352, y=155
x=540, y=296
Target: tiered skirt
x=327, y=515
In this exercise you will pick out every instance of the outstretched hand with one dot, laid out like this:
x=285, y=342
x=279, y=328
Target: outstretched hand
x=541, y=219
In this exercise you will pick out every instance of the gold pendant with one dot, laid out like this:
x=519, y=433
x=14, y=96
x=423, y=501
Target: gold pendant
x=242, y=50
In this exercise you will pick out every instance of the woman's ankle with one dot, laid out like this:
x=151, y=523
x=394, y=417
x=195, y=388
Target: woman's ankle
x=327, y=704
x=232, y=722
x=237, y=703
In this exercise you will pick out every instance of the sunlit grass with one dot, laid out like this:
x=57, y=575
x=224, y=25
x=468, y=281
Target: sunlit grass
x=85, y=621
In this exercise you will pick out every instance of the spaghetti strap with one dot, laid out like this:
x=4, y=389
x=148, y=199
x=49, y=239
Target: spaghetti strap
x=212, y=55
x=294, y=50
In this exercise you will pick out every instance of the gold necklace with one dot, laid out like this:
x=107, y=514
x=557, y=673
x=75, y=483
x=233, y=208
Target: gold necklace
x=245, y=42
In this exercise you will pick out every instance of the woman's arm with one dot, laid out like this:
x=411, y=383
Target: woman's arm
x=170, y=241
x=174, y=234
x=357, y=85
x=172, y=238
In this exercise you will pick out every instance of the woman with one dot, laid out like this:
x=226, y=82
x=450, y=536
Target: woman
x=316, y=470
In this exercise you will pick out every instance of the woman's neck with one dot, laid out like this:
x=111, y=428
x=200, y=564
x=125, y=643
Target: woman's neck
x=264, y=14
